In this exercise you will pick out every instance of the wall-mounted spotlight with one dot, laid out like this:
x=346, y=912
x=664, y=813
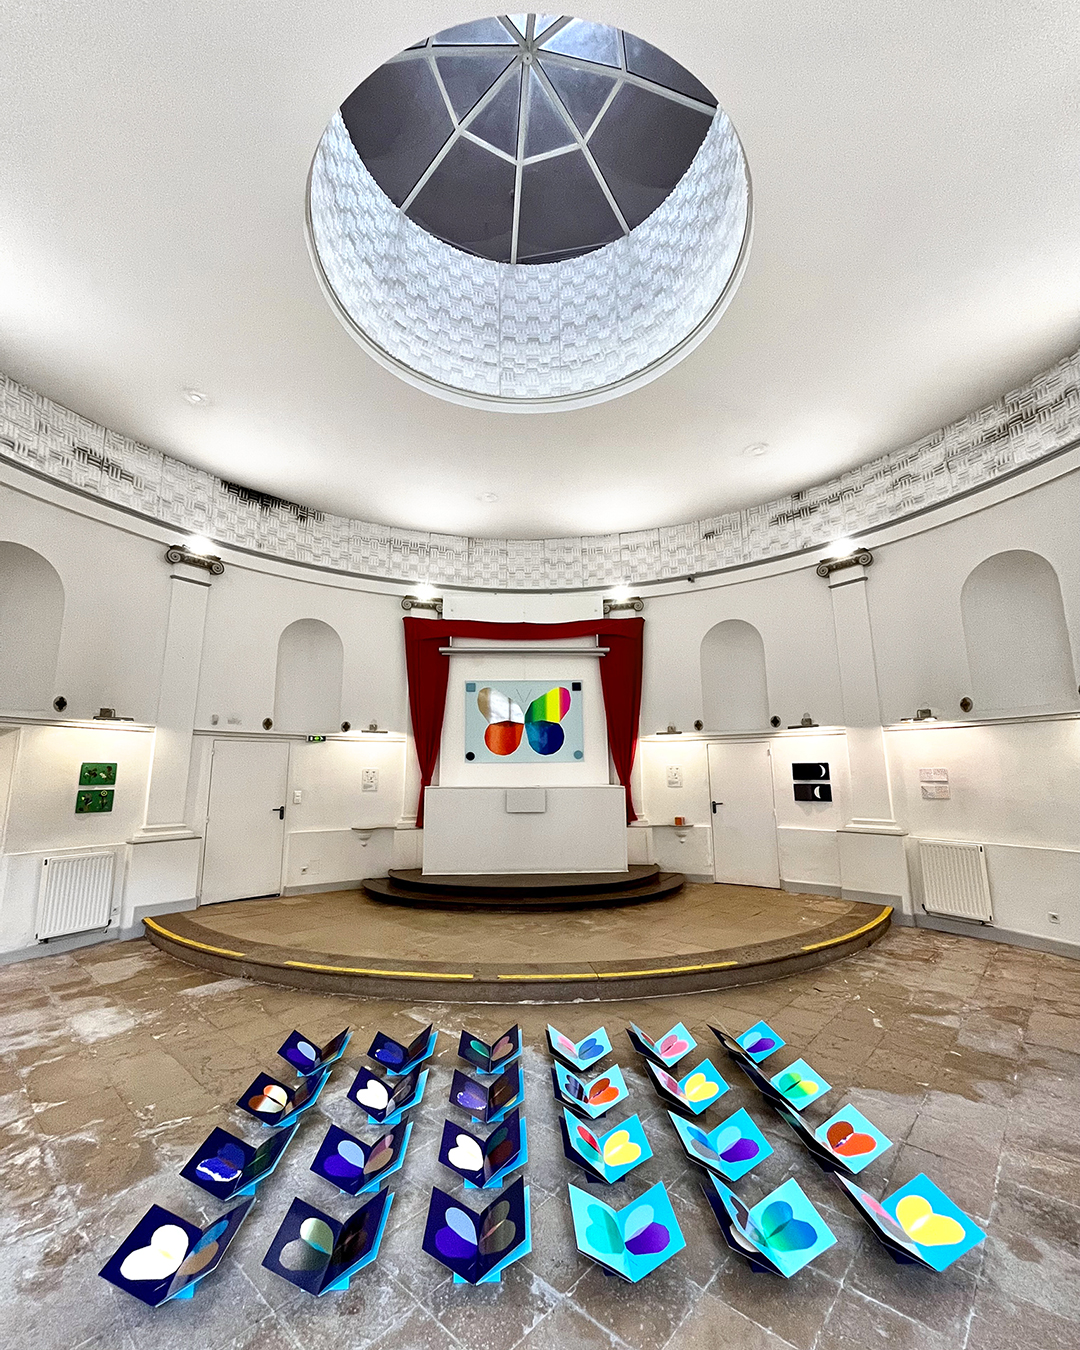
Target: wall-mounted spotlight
x=805, y=721
x=634, y=602
x=196, y=552
x=672, y=730
x=422, y=602
x=843, y=553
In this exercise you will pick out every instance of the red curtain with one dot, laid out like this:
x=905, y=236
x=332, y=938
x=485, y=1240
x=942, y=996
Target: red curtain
x=620, y=677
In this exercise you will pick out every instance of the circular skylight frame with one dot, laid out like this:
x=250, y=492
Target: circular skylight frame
x=687, y=239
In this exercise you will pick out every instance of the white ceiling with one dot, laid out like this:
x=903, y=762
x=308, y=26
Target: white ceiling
x=916, y=252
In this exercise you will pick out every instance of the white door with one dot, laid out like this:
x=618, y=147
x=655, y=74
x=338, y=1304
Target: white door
x=743, y=819
x=245, y=822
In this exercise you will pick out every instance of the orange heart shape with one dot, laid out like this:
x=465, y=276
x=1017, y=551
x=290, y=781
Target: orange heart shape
x=846, y=1141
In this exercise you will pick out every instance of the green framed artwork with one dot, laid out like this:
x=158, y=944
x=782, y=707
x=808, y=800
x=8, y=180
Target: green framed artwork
x=93, y=800
x=94, y=774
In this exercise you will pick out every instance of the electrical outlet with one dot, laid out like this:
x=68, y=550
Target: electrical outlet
x=1054, y=918
x=369, y=780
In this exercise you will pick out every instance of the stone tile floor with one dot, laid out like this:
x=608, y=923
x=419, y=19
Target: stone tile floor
x=116, y=1060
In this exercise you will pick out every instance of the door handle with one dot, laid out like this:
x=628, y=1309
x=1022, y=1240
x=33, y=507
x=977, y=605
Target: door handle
x=280, y=811
x=715, y=805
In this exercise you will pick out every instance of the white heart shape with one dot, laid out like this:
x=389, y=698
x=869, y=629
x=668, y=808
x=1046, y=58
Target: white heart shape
x=466, y=1154
x=161, y=1257
x=373, y=1094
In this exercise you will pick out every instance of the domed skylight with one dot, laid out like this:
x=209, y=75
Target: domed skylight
x=529, y=137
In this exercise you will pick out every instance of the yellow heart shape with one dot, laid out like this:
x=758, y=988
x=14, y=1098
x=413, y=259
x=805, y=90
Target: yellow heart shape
x=916, y=1217
x=699, y=1088
x=619, y=1149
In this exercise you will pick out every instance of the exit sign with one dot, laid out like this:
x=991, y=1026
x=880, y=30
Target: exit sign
x=315, y=739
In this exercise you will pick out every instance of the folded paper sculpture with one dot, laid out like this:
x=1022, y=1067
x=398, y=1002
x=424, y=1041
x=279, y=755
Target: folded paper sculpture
x=274, y=1103
x=593, y=1098
x=398, y=1059
x=847, y=1142
x=479, y=1247
x=485, y=1162
x=487, y=1102
x=355, y=1167
x=604, y=1157
x=918, y=1224
x=306, y=1057
x=580, y=1054
x=668, y=1050
x=760, y=1041
x=694, y=1092
x=734, y=1148
x=317, y=1253
x=164, y=1256
x=781, y=1234
x=799, y=1084
x=490, y=1058
x=632, y=1241
x=387, y=1099
x=224, y=1165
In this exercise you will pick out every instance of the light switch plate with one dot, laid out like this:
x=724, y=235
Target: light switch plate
x=933, y=775
x=297, y=796
x=369, y=780
x=935, y=792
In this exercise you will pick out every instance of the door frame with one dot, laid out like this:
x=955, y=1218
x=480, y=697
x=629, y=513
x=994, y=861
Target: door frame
x=719, y=746
x=232, y=740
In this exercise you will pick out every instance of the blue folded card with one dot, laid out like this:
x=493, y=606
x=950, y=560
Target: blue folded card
x=224, y=1165
x=274, y=1103
x=581, y=1054
x=605, y=1157
x=490, y=1058
x=396, y=1058
x=488, y=1102
x=485, y=1162
x=781, y=1234
x=632, y=1241
x=668, y=1050
x=592, y=1099
x=760, y=1041
x=306, y=1057
x=317, y=1253
x=918, y=1224
x=479, y=1247
x=355, y=1167
x=164, y=1256
x=731, y=1150
x=387, y=1099
x=799, y=1084
x=694, y=1092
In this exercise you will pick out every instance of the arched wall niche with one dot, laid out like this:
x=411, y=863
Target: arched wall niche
x=31, y=619
x=307, y=688
x=734, y=688
x=1016, y=636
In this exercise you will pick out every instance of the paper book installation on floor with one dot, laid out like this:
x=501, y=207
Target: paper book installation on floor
x=306, y=1057
x=781, y=1234
x=387, y=1099
x=580, y=1054
x=479, y=1247
x=317, y=1253
x=487, y=1103
x=918, y=1224
x=760, y=1041
x=224, y=1165
x=355, y=1167
x=695, y=1091
x=630, y=1242
x=274, y=1103
x=396, y=1058
x=488, y=1059
x=164, y=1256
x=668, y=1050
x=732, y=1149
x=485, y=1163
x=604, y=1157
x=523, y=721
x=591, y=1098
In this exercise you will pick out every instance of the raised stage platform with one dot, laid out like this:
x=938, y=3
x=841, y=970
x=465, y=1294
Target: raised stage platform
x=703, y=937
x=547, y=890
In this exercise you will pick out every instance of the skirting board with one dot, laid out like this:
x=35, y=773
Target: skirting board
x=989, y=933
x=141, y=912
x=875, y=898
x=810, y=888
x=321, y=887
x=60, y=945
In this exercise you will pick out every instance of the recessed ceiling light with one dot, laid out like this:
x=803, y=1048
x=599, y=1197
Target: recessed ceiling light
x=488, y=497
x=758, y=448
x=196, y=397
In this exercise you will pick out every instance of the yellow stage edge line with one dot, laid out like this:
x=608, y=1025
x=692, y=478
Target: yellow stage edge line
x=391, y=974
x=190, y=942
x=666, y=970
x=846, y=937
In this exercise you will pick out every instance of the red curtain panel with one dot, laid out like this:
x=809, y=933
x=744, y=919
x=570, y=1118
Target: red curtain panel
x=429, y=672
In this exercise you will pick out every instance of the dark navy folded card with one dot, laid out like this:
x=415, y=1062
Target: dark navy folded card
x=480, y=1162
x=355, y=1167
x=317, y=1253
x=165, y=1256
x=399, y=1059
x=306, y=1057
x=386, y=1099
x=224, y=1165
x=490, y=1058
x=274, y=1103
x=478, y=1246
x=487, y=1102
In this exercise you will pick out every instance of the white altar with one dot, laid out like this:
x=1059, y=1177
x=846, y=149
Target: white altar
x=476, y=831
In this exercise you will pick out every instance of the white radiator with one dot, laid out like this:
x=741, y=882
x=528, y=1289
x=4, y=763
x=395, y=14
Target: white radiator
x=954, y=879
x=75, y=894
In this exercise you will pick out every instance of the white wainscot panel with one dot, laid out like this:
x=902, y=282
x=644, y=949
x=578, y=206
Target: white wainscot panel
x=321, y=859
x=809, y=860
x=1027, y=885
x=684, y=850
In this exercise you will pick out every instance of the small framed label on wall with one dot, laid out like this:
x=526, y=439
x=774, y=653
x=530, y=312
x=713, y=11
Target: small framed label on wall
x=90, y=801
x=97, y=774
